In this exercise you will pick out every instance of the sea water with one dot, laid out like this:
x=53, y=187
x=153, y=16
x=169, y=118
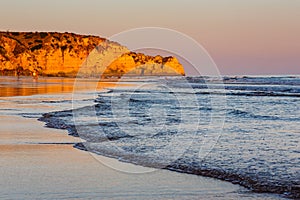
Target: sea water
x=244, y=130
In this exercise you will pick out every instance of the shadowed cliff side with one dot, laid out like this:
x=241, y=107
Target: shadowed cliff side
x=63, y=54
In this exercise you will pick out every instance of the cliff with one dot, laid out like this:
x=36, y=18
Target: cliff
x=66, y=54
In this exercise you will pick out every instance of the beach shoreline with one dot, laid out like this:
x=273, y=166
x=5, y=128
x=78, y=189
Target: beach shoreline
x=38, y=162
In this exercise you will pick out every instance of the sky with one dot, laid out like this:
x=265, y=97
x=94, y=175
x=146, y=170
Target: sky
x=243, y=37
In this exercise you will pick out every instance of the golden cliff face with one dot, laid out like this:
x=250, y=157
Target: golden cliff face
x=64, y=54
x=139, y=64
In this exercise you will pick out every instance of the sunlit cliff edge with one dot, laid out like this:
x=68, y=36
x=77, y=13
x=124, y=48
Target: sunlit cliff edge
x=66, y=54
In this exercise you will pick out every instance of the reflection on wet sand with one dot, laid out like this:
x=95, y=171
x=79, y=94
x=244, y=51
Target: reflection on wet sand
x=26, y=86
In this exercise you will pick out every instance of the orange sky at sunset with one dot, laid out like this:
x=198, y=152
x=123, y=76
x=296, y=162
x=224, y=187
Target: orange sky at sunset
x=243, y=37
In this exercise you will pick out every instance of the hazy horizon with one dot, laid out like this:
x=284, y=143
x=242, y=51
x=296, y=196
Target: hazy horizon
x=243, y=37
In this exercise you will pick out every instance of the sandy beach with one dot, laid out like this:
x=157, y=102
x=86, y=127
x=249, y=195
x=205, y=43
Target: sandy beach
x=41, y=163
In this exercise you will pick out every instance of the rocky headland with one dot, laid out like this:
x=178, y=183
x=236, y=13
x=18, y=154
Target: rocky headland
x=69, y=54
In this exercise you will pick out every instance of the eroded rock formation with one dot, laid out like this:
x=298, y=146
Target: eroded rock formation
x=64, y=54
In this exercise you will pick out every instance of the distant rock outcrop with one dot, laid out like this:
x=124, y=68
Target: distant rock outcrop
x=66, y=54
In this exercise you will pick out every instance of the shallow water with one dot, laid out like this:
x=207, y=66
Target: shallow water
x=245, y=131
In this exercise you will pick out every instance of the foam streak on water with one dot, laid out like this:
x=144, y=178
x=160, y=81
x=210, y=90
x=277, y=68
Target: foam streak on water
x=258, y=146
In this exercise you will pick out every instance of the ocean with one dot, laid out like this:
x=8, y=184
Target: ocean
x=244, y=130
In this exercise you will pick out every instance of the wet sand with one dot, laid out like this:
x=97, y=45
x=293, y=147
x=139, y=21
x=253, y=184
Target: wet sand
x=54, y=171
x=41, y=163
